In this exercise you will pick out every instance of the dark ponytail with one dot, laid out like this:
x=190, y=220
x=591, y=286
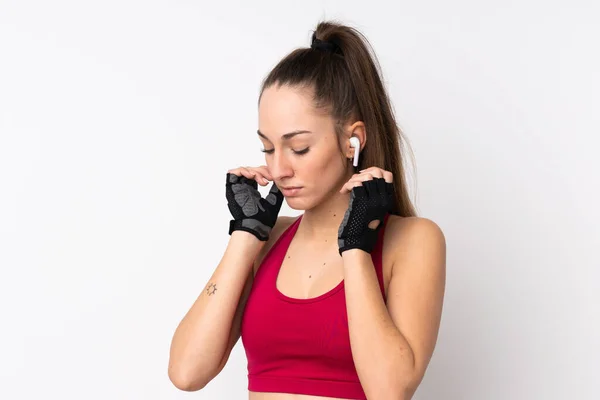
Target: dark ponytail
x=342, y=70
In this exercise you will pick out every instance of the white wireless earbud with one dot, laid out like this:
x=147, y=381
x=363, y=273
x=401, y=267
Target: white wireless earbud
x=354, y=142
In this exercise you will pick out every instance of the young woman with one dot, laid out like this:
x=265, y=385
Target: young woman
x=344, y=301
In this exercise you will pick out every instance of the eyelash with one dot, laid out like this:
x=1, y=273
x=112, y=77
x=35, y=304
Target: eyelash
x=300, y=153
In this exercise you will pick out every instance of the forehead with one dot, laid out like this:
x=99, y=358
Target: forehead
x=286, y=109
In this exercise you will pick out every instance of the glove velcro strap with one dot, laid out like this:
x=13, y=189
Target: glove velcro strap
x=365, y=241
x=366, y=244
x=253, y=226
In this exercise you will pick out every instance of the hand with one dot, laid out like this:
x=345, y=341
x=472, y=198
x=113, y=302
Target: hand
x=371, y=198
x=252, y=213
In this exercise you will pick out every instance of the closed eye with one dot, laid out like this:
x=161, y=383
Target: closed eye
x=299, y=152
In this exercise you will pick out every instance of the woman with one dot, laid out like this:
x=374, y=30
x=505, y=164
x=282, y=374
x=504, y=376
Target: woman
x=344, y=301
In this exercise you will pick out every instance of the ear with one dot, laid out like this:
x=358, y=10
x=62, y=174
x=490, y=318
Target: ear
x=358, y=130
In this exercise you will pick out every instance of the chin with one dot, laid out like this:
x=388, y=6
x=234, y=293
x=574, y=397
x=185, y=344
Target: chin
x=299, y=203
x=305, y=201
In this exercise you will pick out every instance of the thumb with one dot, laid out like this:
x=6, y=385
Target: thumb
x=275, y=197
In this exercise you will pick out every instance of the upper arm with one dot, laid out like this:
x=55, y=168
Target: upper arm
x=416, y=288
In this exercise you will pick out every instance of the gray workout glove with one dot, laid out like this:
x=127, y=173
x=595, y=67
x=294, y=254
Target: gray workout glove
x=251, y=213
x=369, y=202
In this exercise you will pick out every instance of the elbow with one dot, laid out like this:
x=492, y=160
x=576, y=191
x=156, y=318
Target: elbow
x=396, y=388
x=187, y=380
x=409, y=388
x=398, y=393
x=408, y=393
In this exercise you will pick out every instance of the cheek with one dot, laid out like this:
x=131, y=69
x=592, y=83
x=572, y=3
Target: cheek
x=322, y=164
x=321, y=174
x=323, y=171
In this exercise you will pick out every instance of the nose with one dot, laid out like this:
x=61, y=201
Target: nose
x=280, y=166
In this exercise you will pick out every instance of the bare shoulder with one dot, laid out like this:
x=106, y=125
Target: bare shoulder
x=410, y=237
x=402, y=225
x=282, y=223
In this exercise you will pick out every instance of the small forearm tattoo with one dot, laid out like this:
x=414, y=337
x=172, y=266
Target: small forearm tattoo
x=211, y=289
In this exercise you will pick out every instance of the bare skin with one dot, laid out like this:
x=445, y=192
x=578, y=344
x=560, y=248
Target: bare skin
x=303, y=151
x=295, y=280
x=321, y=172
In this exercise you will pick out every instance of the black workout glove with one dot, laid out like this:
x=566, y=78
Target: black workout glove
x=251, y=213
x=369, y=202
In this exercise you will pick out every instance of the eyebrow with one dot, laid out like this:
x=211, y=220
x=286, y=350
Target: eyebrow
x=287, y=136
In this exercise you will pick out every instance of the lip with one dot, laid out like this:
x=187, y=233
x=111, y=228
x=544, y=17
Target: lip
x=290, y=191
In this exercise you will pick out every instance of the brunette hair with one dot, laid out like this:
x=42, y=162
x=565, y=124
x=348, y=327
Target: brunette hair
x=343, y=73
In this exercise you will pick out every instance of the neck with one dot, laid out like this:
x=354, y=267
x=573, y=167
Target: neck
x=321, y=223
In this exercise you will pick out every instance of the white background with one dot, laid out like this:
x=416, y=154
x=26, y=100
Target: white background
x=119, y=119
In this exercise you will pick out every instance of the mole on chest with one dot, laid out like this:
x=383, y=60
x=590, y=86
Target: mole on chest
x=306, y=277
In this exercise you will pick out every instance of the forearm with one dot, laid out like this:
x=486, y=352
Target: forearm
x=202, y=337
x=383, y=358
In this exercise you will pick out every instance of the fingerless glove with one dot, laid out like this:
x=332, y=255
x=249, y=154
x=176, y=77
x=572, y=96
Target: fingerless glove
x=369, y=202
x=251, y=213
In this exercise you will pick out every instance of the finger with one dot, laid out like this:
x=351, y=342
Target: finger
x=261, y=174
x=235, y=171
x=388, y=176
x=275, y=197
x=361, y=177
x=231, y=177
x=240, y=171
x=356, y=180
x=379, y=173
x=264, y=171
x=367, y=169
x=371, y=187
x=275, y=189
x=347, y=188
x=247, y=172
x=360, y=191
x=246, y=177
x=244, y=172
x=261, y=179
x=381, y=185
x=374, y=172
x=390, y=188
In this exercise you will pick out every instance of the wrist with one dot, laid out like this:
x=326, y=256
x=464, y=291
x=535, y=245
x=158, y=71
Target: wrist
x=245, y=242
x=247, y=236
x=366, y=243
x=354, y=256
x=354, y=252
x=252, y=226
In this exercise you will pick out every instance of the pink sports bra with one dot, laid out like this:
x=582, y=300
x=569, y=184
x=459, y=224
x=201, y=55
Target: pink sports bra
x=296, y=345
